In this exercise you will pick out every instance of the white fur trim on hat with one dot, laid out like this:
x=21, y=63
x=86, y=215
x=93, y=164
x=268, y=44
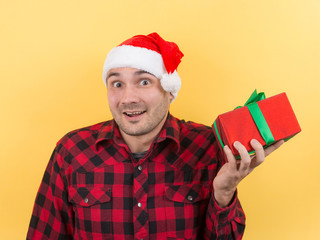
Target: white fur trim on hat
x=135, y=57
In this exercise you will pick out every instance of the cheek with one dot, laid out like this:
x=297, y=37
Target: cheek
x=159, y=99
x=112, y=99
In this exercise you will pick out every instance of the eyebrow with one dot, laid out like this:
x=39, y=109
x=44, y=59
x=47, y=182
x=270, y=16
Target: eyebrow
x=111, y=74
x=142, y=72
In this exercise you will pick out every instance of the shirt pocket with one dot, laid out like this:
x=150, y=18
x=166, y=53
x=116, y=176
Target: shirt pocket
x=93, y=211
x=186, y=207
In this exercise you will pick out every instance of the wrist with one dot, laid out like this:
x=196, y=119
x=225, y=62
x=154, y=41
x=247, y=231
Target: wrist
x=224, y=198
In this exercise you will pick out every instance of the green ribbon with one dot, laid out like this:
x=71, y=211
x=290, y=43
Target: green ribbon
x=261, y=123
x=257, y=116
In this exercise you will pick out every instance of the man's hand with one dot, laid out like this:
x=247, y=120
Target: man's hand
x=232, y=172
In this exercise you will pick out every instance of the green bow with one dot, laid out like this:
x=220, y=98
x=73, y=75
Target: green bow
x=255, y=97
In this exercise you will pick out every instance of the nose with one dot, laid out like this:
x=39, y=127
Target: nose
x=130, y=95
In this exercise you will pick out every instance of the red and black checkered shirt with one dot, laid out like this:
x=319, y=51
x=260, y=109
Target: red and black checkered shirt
x=93, y=189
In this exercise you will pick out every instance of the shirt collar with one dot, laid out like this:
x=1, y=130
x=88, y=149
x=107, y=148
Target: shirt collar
x=109, y=131
x=171, y=131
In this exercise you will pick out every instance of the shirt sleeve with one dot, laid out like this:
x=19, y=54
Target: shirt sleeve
x=52, y=216
x=225, y=223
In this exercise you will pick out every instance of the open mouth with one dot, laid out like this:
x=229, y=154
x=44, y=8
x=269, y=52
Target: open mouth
x=134, y=114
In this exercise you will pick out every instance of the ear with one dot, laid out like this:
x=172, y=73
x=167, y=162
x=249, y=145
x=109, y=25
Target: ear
x=171, y=97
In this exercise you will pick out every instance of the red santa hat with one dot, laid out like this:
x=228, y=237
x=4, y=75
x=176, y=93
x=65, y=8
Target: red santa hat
x=150, y=53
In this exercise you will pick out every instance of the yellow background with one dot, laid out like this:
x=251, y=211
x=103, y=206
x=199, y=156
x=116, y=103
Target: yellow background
x=52, y=54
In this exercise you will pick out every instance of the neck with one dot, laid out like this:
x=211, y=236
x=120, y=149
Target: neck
x=142, y=143
x=138, y=144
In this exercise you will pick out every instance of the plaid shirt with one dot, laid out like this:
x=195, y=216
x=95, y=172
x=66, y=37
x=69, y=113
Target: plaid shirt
x=93, y=189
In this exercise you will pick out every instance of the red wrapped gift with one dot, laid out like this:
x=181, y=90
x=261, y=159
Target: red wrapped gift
x=266, y=119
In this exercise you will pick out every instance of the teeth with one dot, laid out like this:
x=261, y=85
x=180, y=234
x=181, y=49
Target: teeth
x=133, y=113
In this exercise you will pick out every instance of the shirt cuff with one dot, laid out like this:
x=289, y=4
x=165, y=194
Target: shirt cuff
x=224, y=215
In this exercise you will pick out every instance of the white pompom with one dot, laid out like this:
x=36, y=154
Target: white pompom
x=171, y=83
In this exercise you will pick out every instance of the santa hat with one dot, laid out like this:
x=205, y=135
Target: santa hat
x=150, y=53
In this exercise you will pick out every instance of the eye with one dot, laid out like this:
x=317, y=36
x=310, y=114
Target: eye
x=117, y=84
x=145, y=82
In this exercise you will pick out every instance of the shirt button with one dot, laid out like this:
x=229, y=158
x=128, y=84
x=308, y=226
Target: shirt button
x=86, y=200
x=190, y=198
x=139, y=168
x=139, y=204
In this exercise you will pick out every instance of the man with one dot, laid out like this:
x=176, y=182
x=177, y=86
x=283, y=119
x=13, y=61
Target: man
x=144, y=174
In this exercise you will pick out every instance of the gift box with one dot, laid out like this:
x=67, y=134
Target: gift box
x=266, y=119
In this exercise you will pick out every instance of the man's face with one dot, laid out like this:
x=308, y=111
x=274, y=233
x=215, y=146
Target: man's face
x=137, y=101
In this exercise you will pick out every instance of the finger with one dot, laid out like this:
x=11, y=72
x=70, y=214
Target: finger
x=273, y=147
x=230, y=157
x=245, y=157
x=259, y=152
